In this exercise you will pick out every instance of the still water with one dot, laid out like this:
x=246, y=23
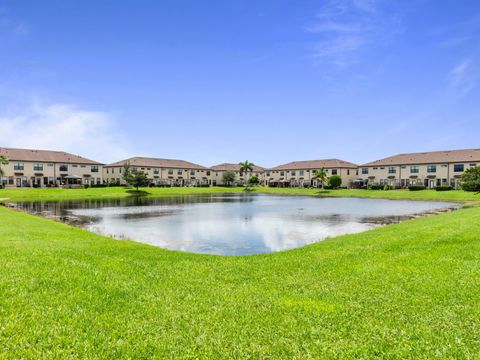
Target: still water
x=233, y=224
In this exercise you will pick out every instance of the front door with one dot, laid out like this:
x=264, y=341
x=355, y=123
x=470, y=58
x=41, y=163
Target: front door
x=432, y=184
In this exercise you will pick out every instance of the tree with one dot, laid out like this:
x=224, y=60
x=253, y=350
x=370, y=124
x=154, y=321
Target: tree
x=3, y=161
x=228, y=177
x=253, y=180
x=334, y=181
x=245, y=168
x=139, y=178
x=470, y=180
x=127, y=172
x=321, y=176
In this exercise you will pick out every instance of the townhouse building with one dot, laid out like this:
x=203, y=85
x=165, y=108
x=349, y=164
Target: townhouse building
x=302, y=173
x=240, y=177
x=45, y=168
x=430, y=169
x=162, y=172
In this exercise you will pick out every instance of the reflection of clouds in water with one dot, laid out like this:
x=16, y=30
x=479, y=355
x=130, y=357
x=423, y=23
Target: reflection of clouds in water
x=264, y=224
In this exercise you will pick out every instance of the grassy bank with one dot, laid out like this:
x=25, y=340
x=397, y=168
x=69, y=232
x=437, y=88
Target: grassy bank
x=406, y=290
x=12, y=195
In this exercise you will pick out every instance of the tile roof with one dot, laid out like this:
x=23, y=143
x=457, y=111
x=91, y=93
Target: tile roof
x=234, y=167
x=316, y=164
x=44, y=156
x=157, y=162
x=432, y=157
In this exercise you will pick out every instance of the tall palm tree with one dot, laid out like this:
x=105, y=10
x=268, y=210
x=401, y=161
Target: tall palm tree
x=245, y=168
x=321, y=176
x=3, y=161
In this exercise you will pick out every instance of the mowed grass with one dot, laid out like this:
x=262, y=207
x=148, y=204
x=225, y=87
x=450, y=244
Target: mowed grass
x=12, y=195
x=409, y=290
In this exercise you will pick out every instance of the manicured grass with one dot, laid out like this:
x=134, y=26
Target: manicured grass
x=409, y=290
x=12, y=195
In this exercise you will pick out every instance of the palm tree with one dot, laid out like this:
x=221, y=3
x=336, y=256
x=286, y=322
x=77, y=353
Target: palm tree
x=246, y=167
x=3, y=161
x=321, y=176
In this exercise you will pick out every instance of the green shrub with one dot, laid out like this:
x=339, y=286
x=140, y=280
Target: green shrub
x=375, y=186
x=443, y=188
x=416, y=187
x=471, y=179
x=334, y=181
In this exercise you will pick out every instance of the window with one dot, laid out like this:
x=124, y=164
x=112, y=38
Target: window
x=348, y=171
x=50, y=164
x=170, y=171
x=364, y=171
x=458, y=167
x=94, y=168
x=294, y=172
x=192, y=172
x=431, y=168
x=414, y=169
x=302, y=172
x=208, y=172
x=63, y=167
x=113, y=171
x=18, y=166
x=334, y=171
x=134, y=169
x=444, y=165
x=375, y=168
x=282, y=173
x=37, y=167
x=82, y=166
x=156, y=171
x=392, y=170
x=473, y=165
x=179, y=172
x=268, y=173
x=74, y=165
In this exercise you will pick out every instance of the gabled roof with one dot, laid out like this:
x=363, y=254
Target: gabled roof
x=13, y=154
x=234, y=167
x=159, y=163
x=316, y=164
x=432, y=157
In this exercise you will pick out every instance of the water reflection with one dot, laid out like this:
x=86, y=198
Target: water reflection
x=235, y=224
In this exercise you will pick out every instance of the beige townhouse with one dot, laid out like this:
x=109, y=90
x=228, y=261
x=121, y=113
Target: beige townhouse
x=162, y=172
x=302, y=173
x=45, y=168
x=430, y=169
x=240, y=177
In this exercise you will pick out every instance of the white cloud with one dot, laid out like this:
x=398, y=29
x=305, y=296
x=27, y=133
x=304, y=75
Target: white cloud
x=344, y=27
x=65, y=127
x=461, y=78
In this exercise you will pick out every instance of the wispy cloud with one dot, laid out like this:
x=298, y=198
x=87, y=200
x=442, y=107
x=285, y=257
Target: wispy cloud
x=65, y=127
x=462, y=78
x=345, y=27
x=12, y=26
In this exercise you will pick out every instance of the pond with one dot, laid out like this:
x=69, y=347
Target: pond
x=231, y=224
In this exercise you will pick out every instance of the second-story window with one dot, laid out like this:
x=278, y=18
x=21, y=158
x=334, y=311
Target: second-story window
x=192, y=172
x=170, y=171
x=414, y=169
x=156, y=171
x=458, y=167
x=37, y=167
x=334, y=171
x=208, y=172
x=364, y=171
x=302, y=172
x=294, y=172
x=392, y=169
x=432, y=168
x=282, y=173
x=18, y=166
x=94, y=168
x=63, y=167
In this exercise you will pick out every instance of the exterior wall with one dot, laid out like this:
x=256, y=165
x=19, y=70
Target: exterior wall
x=47, y=174
x=401, y=176
x=305, y=177
x=240, y=178
x=162, y=176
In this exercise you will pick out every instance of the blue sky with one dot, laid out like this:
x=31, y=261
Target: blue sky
x=224, y=81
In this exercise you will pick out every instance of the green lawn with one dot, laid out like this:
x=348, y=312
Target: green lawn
x=11, y=195
x=409, y=290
